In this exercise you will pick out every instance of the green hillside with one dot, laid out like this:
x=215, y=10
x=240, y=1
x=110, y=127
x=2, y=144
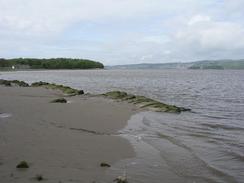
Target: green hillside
x=150, y=66
x=218, y=64
x=205, y=64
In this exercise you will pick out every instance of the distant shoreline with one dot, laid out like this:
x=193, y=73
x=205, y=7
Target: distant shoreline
x=13, y=70
x=50, y=63
x=226, y=64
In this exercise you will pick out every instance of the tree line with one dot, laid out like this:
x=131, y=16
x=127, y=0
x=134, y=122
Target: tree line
x=52, y=63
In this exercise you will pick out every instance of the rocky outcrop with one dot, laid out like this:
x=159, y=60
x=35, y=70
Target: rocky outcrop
x=144, y=102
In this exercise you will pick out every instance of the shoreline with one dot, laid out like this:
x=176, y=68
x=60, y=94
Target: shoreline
x=62, y=142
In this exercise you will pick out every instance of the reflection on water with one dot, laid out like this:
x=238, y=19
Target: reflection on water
x=205, y=145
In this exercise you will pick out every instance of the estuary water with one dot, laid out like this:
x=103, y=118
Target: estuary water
x=204, y=145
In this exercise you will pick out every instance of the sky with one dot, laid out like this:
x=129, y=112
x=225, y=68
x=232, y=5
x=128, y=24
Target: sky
x=123, y=31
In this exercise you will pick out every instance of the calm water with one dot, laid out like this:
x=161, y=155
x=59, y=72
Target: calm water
x=205, y=145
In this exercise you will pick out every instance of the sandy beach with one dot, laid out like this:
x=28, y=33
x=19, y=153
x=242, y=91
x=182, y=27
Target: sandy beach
x=62, y=142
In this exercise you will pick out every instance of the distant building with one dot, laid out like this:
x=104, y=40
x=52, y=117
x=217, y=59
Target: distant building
x=20, y=67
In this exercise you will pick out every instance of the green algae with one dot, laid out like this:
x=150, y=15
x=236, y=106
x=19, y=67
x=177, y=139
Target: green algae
x=65, y=89
x=13, y=83
x=144, y=102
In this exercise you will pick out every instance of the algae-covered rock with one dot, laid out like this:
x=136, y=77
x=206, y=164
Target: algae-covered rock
x=144, y=102
x=22, y=164
x=116, y=94
x=59, y=100
x=40, y=83
x=5, y=82
x=13, y=83
x=81, y=92
x=121, y=179
x=65, y=89
x=103, y=164
x=20, y=83
x=39, y=177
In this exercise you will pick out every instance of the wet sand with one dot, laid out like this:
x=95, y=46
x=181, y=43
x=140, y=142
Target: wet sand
x=62, y=142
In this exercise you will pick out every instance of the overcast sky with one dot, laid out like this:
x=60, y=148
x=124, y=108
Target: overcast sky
x=123, y=31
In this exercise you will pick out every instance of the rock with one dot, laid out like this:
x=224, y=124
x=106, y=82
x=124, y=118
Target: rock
x=116, y=94
x=59, y=100
x=40, y=83
x=144, y=102
x=121, y=179
x=13, y=82
x=39, y=177
x=65, y=89
x=5, y=82
x=105, y=165
x=80, y=92
x=20, y=83
x=22, y=164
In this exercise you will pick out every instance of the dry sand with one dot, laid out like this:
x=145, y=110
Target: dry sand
x=62, y=142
